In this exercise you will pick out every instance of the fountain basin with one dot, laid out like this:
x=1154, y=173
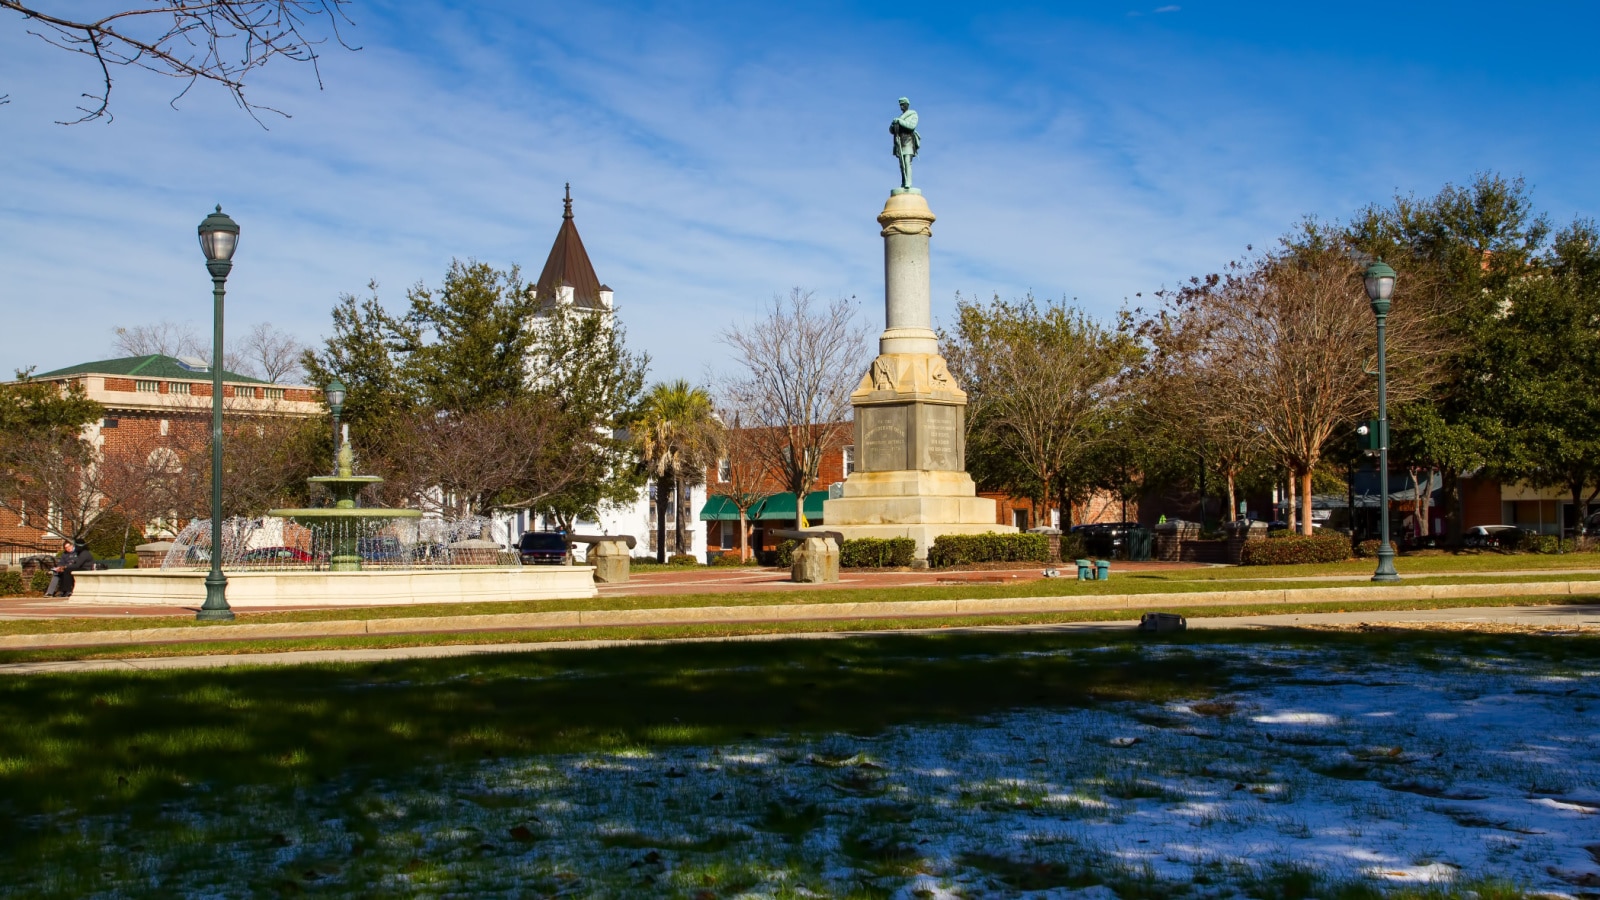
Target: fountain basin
x=373, y=587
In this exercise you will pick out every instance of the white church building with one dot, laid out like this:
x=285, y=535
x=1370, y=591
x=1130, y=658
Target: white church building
x=568, y=284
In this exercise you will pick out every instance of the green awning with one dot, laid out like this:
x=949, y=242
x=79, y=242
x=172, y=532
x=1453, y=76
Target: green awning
x=721, y=508
x=814, y=506
x=781, y=506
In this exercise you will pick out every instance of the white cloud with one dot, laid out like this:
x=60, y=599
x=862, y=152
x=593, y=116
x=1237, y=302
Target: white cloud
x=710, y=169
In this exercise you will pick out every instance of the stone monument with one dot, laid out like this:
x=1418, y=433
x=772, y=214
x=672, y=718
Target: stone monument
x=910, y=478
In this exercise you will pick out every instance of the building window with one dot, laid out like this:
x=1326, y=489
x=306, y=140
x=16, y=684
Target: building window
x=730, y=531
x=273, y=393
x=109, y=423
x=166, y=426
x=849, y=460
x=724, y=469
x=146, y=387
x=178, y=387
x=1020, y=519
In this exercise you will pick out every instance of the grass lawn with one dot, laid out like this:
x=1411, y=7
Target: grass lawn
x=737, y=629
x=870, y=766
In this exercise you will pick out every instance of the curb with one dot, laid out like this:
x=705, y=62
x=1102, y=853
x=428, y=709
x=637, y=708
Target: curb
x=788, y=613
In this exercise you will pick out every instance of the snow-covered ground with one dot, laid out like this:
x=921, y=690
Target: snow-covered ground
x=1315, y=773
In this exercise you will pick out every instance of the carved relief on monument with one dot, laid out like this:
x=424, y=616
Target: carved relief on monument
x=882, y=373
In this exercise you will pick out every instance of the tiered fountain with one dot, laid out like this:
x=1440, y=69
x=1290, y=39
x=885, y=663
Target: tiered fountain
x=338, y=529
x=392, y=578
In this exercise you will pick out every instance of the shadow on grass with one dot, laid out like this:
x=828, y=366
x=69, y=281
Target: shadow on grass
x=121, y=742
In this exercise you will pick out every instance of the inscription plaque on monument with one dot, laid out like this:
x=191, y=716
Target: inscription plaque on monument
x=940, y=433
x=883, y=438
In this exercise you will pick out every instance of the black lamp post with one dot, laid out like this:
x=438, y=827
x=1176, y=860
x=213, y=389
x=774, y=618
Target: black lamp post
x=219, y=235
x=335, y=393
x=1380, y=289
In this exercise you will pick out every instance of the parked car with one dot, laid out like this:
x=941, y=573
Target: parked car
x=542, y=548
x=381, y=550
x=275, y=555
x=1497, y=536
x=1105, y=540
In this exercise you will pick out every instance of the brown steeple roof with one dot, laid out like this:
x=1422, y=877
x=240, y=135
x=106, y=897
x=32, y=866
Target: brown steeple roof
x=568, y=265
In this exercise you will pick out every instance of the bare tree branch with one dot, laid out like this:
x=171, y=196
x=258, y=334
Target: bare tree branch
x=799, y=364
x=218, y=41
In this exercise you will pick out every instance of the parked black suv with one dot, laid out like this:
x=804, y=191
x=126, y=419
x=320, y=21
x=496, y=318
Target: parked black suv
x=1105, y=540
x=542, y=548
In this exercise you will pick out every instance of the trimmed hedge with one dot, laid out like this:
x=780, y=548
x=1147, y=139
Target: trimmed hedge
x=40, y=582
x=1285, y=549
x=963, y=549
x=683, y=559
x=1545, y=543
x=1368, y=549
x=858, y=553
x=728, y=558
x=10, y=584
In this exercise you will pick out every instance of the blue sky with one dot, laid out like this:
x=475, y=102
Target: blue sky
x=719, y=155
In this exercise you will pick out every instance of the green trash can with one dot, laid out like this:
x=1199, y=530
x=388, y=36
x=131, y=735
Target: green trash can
x=1141, y=541
x=1102, y=570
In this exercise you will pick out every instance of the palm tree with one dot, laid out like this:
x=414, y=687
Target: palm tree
x=676, y=431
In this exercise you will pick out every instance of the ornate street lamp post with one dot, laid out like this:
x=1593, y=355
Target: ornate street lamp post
x=335, y=394
x=219, y=235
x=1380, y=288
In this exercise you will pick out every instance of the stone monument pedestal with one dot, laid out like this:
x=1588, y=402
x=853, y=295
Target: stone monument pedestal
x=910, y=478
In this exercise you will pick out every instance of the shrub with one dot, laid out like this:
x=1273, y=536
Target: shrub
x=729, y=558
x=40, y=581
x=10, y=584
x=784, y=557
x=1286, y=549
x=1368, y=549
x=877, y=552
x=963, y=549
x=1545, y=543
x=682, y=559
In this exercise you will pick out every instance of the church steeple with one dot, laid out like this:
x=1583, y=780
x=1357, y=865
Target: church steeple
x=568, y=267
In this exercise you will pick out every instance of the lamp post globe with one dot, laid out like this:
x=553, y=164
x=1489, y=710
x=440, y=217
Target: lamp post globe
x=219, y=237
x=1379, y=280
x=335, y=394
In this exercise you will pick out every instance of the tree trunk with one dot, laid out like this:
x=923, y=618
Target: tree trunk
x=1453, y=504
x=744, y=543
x=661, y=524
x=677, y=513
x=1305, y=501
x=1233, y=499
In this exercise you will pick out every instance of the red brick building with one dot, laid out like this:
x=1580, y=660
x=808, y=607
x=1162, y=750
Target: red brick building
x=151, y=402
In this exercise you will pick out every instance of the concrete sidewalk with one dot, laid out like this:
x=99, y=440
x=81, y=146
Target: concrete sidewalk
x=790, y=612
x=1553, y=618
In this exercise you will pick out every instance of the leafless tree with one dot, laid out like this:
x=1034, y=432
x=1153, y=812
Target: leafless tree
x=1197, y=400
x=218, y=41
x=180, y=340
x=166, y=338
x=1287, y=340
x=63, y=483
x=1042, y=383
x=797, y=367
x=265, y=459
x=273, y=354
x=745, y=483
x=511, y=456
